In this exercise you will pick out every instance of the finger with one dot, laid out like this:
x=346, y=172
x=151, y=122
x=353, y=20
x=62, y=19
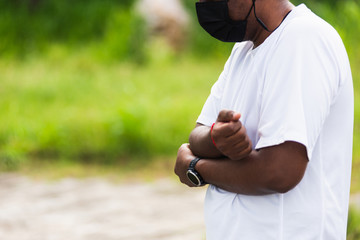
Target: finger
x=236, y=138
x=185, y=147
x=235, y=126
x=242, y=151
x=226, y=129
x=243, y=146
x=225, y=116
x=236, y=117
x=231, y=147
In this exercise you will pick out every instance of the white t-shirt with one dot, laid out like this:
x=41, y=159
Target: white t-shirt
x=296, y=86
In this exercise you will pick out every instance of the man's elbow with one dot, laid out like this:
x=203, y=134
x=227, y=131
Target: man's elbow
x=283, y=187
x=284, y=167
x=284, y=181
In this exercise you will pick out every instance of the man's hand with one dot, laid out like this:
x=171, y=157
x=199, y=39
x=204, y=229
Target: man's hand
x=230, y=136
x=183, y=160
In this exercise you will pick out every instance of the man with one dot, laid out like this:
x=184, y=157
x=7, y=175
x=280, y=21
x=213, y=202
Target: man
x=274, y=138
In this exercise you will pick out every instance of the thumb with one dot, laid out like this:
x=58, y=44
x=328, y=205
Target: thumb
x=236, y=117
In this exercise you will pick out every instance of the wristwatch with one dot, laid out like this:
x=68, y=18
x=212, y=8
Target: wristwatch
x=193, y=175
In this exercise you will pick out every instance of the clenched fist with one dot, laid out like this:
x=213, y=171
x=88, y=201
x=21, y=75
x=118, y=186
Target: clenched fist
x=230, y=136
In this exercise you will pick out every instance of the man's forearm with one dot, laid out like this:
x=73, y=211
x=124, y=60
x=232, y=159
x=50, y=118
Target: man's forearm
x=201, y=144
x=270, y=170
x=249, y=176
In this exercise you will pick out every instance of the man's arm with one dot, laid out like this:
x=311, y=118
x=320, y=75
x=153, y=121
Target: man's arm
x=275, y=169
x=233, y=165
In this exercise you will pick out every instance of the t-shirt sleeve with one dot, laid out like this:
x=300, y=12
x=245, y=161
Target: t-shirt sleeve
x=212, y=105
x=301, y=81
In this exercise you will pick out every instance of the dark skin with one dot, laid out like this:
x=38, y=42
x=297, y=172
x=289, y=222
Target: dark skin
x=232, y=164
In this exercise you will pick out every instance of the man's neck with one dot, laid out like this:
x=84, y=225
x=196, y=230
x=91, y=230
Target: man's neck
x=278, y=13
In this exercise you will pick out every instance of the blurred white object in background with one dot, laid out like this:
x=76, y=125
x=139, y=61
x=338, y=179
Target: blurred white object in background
x=167, y=18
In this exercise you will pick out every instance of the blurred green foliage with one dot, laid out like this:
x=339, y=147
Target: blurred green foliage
x=32, y=26
x=116, y=32
x=75, y=107
x=353, y=228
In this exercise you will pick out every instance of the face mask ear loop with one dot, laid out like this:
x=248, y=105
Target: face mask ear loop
x=258, y=19
x=252, y=6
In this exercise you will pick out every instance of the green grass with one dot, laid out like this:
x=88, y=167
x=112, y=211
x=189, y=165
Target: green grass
x=353, y=228
x=77, y=108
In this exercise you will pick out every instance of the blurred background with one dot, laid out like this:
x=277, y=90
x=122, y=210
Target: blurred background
x=113, y=87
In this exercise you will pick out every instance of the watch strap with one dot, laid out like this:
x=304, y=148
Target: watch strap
x=192, y=171
x=193, y=163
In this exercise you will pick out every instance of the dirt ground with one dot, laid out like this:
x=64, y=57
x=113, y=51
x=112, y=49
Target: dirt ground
x=97, y=209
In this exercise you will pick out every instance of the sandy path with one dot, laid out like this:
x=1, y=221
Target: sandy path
x=92, y=209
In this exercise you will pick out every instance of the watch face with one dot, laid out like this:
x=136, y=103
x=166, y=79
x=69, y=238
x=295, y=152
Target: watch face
x=193, y=178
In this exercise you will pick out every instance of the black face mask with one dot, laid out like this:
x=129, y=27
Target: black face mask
x=214, y=18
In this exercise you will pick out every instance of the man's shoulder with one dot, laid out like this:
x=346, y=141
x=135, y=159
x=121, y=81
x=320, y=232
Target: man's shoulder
x=304, y=24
